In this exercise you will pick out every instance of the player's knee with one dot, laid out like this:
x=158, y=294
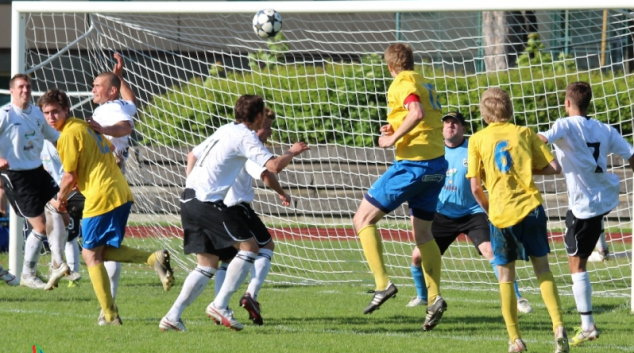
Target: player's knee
x=249, y=245
x=270, y=245
x=416, y=258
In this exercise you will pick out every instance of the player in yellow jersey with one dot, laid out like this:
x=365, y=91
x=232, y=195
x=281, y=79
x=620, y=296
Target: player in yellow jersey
x=417, y=176
x=509, y=155
x=89, y=164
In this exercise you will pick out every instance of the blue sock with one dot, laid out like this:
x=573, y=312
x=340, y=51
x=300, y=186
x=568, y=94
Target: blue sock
x=419, y=282
x=517, y=290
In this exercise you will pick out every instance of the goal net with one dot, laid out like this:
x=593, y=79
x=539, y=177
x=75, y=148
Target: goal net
x=326, y=80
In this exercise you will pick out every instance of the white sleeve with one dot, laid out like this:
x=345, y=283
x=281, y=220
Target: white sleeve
x=254, y=170
x=113, y=112
x=4, y=117
x=557, y=131
x=128, y=107
x=254, y=150
x=619, y=145
x=49, y=132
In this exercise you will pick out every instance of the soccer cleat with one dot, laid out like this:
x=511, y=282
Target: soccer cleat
x=224, y=317
x=253, y=307
x=582, y=336
x=434, y=313
x=561, y=340
x=116, y=322
x=55, y=274
x=32, y=281
x=167, y=325
x=164, y=269
x=380, y=296
x=517, y=346
x=73, y=276
x=416, y=301
x=523, y=306
x=8, y=277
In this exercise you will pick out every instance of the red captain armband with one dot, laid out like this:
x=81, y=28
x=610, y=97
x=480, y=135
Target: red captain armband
x=411, y=99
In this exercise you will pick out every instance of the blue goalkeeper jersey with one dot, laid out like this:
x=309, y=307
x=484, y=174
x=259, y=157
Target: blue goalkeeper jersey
x=456, y=199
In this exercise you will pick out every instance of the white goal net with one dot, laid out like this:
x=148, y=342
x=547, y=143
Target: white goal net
x=326, y=80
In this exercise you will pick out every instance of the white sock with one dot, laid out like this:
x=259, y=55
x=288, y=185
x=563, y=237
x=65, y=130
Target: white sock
x=72, y=255
x=220, y=277
x=582, y=290
x=56, y=237
x=32, y=249
x=260, y=270
x=194, y=285
x=114, y=273
x=237, y=272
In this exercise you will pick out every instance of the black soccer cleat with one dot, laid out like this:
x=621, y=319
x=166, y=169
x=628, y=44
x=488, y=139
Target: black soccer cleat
x=434, y=313
x=380, y=296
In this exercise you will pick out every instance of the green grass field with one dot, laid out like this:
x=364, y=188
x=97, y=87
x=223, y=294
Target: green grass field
x=319, y=318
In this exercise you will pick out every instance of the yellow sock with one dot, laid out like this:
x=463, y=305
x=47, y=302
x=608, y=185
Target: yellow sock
x=509, y=310
x=373, y=251
x=551, y=298
x=129, y=255
x=101, y=285
x=431, y=263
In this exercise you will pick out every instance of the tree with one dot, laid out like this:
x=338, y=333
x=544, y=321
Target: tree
x=505, y=34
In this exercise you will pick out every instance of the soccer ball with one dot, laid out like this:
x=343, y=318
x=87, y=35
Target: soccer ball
x=267, y=23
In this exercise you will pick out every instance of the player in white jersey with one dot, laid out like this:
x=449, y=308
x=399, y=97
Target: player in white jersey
x=113, y=119
x=582, y=145
x=209, y=227
x=28, y=186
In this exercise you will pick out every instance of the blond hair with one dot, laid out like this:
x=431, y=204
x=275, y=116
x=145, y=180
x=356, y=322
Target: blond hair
x=399, y=57
x=496, y=106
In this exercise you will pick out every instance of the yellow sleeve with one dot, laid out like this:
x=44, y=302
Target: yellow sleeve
x=474, y=163
x=68, y=149
x=541, y=153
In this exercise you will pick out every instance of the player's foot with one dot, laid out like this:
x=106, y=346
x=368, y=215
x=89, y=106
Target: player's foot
x=517, y=346
x=561, y=340
x=434, y=313
x=73, y=276
x=416, y=301
x=32, y=281
x=253, y=307
x=164, y=269
x=523, y=306
x=116, y=322
x=8, y=278
x=55, y=274
x=224, y=317
x=167, y=325
x=582, y=336
x=380, y=296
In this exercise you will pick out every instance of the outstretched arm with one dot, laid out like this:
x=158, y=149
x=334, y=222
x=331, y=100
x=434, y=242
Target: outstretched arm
x=126, y=92
x=277, y=164
x=270, y=180
x=552, y=168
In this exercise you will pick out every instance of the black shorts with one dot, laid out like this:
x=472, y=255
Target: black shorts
x=446, y=230
x=29, y=191
x=210, y=227
x=582, y=234
x=246, y=214
x=75, y=208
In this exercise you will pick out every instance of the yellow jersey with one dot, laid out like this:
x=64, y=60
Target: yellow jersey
x=89, y=154
x=424, y=141
x=507, y=154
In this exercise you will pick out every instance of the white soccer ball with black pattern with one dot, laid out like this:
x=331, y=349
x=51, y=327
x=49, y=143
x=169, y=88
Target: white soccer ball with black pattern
x=267, y=23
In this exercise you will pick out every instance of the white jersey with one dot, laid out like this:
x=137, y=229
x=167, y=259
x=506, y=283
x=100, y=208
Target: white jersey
x=112, y=112
x=242, y=188
x=582, y=146
x=51, y=162
x=221, y=157
x=22, y=134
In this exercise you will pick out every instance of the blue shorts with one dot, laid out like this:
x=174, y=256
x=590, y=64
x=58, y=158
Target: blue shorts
x=106, y=229
x=417, y=182
x=527, y=238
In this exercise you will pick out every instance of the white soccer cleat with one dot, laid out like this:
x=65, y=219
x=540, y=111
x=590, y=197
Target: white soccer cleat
x=224, y=317
x=582, y=336
x=561, y=340
x=8, y=278
x=73, y=276
x=517, y=346
x=167, y=325
x=416, y=301
x=523, y=306
x=32, y=281
x=55, y=274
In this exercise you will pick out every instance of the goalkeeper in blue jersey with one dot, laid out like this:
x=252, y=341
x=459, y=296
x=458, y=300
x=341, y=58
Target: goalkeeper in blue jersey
x=457, y=211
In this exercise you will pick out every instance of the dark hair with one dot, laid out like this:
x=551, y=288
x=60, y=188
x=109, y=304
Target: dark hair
x=113, y=79
x=54, y=96
x=269, y=113
x=579, y=94
x=15, y=77
x=247, y=108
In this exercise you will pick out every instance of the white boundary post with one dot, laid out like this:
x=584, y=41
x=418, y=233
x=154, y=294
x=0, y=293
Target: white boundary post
x=16, y=239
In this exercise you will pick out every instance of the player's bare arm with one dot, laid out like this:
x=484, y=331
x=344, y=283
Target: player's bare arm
x=126, y=91
x=270, y=180
x=277, y=164
x=544, y=139
x=68, y=182
x=415, y=114
x=120, y=129
x=478, y=194
x=191, y=162
x=4, y=164
x=553, y=168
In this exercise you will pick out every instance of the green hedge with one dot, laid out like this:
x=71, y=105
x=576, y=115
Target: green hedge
x=345, y=102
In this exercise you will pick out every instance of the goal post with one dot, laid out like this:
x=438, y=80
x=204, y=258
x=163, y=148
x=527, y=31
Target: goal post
x=326, y=79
